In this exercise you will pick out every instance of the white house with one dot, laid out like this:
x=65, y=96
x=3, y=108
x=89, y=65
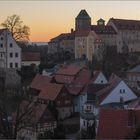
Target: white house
x=10, y=52
x=30, y=58
x=99, y=80
x=116, y=91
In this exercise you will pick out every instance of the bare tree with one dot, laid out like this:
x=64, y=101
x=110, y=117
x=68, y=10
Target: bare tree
x=23, y=115
x=14, y=24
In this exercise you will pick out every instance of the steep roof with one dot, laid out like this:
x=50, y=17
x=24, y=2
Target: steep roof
x=50, y=91
x=126, y=24
x=30, y=56
x=40, y=81
x=117, y=123
x=103, y=29
x=113, y=82
x=135, y=69
x=64, y=36
x=83, y=15
x=79, y=83
x=71, y=69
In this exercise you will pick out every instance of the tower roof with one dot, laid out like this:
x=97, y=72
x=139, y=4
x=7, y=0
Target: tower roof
x=83, y=15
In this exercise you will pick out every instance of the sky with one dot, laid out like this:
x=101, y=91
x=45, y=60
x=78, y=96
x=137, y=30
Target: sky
x=48, y=19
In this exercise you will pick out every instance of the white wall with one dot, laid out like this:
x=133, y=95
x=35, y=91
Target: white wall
x=114, y=96
x=28, y=63
x=101, y=79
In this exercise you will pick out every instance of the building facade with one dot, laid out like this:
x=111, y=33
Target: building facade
x=128, y=34
x=10, y=52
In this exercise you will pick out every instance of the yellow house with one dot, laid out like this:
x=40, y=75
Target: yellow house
x=88, y=44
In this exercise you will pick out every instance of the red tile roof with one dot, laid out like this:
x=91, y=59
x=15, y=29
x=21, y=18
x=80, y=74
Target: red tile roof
x=40, y=81
x=117, y=123
x=80, y=82
x=126, y=24
x=71, y=69
x=50, y=91
x=30, y=56
x=103, y=29
x=64, y=36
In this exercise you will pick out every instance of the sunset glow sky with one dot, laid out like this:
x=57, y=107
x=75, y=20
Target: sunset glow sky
x=48, y=19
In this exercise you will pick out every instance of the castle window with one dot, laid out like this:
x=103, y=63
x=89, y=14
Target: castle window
x=16, y=65
x=11, y=45
x=16, y=54
x=11, y=65
x=11, y=54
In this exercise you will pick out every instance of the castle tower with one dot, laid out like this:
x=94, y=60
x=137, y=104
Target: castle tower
x=83, y=21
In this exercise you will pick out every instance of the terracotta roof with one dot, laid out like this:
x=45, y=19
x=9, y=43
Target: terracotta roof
x=103, y=29
x=71, y=69
x=30, y=56
x=30, y=112
x=83, y=15
x=64, y=36
x=40, y=81
x=50, y=91
x=126, y=24
x=117, y=123
x=93, y=88
x=78, y=85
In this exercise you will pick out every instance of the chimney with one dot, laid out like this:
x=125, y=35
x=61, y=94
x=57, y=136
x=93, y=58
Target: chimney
x=121, y=102
x=72, y=30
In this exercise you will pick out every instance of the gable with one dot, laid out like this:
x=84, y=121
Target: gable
x=114, y=96
x=101, y=79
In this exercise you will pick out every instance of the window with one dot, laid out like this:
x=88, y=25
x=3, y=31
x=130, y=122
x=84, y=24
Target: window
x=11, y=54
x=101, y=81
x=1, y=45
x=1, y=38
x=11, y=45
x=16, y=65
x=84, y=123
x=1, y=55
x=16, y=54
x=11, y=65
x=122, y=90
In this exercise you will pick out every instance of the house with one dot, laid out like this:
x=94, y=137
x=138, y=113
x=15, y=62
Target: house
x=36, y=119
x=10, y=52
x=116, y=90
x=30, y=58
x=96, y=83
x=88, y=44
x=76, y=78
x=87, y=116
x=106, y=32
x=127, y=34
x=57, y=95
x=53, y=94
x=64, y=41
x=133, y=77
x=117, y=123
